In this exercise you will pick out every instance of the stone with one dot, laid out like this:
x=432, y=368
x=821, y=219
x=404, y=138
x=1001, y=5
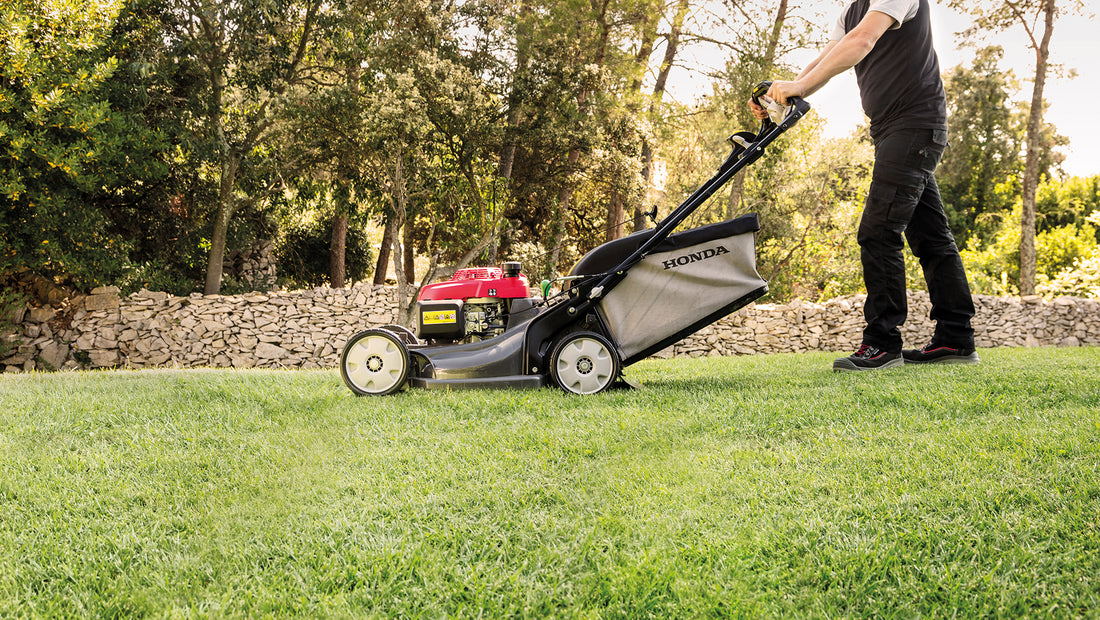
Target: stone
x=213, y=326
x=22, y=353
x=156, y=297
x=85, y=342
x=41, y=315
x=17, y=315
x=129, y=316
x=95, y=303
x=103, y=359
x=268, y=351
x=106, y=290
x=105, y=343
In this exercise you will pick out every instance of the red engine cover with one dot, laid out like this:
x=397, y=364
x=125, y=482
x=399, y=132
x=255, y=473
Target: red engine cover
x=476, y=282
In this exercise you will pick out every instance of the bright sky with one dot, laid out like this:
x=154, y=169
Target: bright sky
x=1075, y=45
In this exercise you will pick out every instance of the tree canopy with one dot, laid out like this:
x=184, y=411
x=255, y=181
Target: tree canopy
x=148, y=142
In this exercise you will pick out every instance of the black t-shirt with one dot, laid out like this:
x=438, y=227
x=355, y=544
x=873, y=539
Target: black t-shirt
x=899, y=80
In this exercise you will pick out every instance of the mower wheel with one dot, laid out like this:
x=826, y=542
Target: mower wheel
x=584, y=363
x=375, y=362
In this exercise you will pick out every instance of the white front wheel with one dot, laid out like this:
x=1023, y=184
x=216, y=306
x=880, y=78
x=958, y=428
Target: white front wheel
x=584, y=363
x=375, y=362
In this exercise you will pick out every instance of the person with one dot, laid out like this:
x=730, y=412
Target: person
x=889, y=43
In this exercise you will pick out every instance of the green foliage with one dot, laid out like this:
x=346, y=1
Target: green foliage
x=162, y=194
x=1059, y=248
x=1080, y=280
x=762, y=486
x=1082, y=277
x=1066, y=202
x=985, y=146
x=302, y=254
x=155, y=275
x=139, y=138
x=993, y=268
x=1064, y=256
x=54, y=134
x=811, y=205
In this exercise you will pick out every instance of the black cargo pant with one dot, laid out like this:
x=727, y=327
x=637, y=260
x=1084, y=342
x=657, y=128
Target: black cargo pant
x=904, y=198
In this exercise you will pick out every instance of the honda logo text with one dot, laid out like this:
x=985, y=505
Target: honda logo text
x=687, y=259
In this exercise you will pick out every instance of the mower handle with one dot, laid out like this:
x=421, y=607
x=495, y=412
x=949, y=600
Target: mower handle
x=592, y=287
x=796, y=107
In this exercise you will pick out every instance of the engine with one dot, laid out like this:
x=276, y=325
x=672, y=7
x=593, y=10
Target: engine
x=475, y=304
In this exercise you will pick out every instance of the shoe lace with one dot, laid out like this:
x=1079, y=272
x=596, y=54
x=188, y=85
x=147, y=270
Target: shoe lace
x=865, y=350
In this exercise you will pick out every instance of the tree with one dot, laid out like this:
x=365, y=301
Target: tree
x=984, y=155
x=1037, y=18
x=253, y=53
x=155, y=196
x=52, y=119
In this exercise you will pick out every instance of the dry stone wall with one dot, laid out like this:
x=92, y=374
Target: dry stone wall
x=308, y=329
x=301, y=329
x=837, y=325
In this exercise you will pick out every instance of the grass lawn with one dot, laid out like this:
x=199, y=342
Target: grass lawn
x=754, y=486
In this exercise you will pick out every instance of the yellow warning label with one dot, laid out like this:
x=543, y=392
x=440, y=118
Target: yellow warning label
x=438, y=317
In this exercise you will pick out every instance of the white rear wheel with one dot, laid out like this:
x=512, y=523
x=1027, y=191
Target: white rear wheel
x=375, y=362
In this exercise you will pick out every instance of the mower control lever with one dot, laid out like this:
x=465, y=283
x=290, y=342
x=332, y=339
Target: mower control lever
x=760, y=90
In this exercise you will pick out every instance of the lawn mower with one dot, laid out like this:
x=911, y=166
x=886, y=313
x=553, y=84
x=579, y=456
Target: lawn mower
x=622, y=302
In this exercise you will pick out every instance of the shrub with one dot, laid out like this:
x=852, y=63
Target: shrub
x=1080, y=280
x=302, y=255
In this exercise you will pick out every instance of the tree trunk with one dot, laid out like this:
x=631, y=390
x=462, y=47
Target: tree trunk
x=658, y=94
x=383, y=264
x=737, y=183
x=565, y=194
x=1031, y=167
x=773, y=40
x=515, y=98
x=336, y=265
x=399, y=202
x=226, y=205
x=737, y=195
x=215, y=60
x=337, y=259
x=408, y=256
x=616, y=212
x=649, y=191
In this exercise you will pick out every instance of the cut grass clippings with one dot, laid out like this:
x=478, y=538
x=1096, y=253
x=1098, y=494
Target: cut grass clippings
x=725, y=487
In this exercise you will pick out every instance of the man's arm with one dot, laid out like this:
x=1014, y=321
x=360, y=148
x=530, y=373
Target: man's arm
x=836, y=58
x=824, y=52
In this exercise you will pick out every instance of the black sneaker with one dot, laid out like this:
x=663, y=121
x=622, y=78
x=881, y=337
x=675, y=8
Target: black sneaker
x=940, y=354
x=868, y=358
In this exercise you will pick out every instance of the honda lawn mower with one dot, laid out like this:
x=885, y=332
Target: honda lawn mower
x=622, y=302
